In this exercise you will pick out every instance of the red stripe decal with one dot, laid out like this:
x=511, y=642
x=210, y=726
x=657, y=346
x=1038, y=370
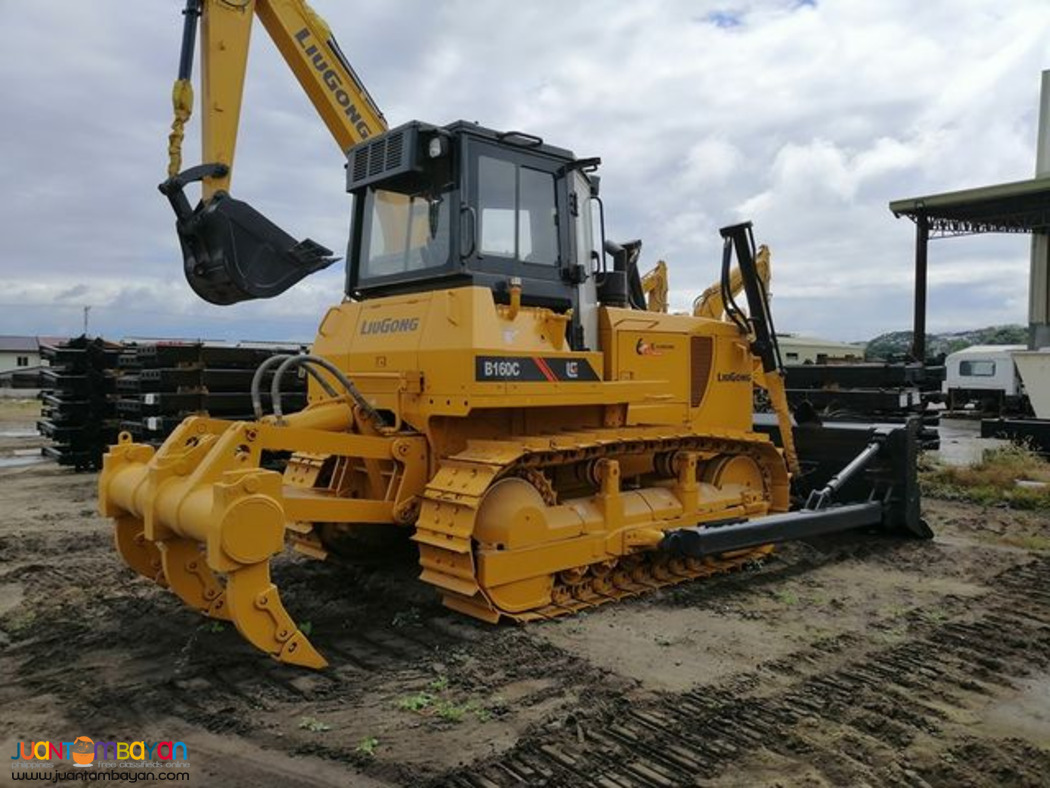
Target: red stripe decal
x=545, y=369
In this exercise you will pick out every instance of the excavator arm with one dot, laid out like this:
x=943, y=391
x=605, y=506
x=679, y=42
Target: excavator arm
x=232, y=252
x=712, y=302
x=655, y=286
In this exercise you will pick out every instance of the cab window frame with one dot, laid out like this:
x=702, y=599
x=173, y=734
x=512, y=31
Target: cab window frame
x=496, y=262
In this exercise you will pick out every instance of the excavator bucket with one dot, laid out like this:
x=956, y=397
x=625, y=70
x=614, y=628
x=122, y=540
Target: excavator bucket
x=232, y=252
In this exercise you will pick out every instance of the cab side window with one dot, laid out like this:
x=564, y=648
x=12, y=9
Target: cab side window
x=517, y=212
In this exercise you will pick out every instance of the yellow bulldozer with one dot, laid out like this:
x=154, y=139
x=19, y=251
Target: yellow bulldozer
x=494, y=383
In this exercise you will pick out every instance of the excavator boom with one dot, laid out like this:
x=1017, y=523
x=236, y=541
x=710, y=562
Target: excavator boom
x=232, y=252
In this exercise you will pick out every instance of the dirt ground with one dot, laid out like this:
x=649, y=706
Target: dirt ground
x=839, y=662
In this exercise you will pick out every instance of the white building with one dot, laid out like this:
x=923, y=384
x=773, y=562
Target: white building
x=18, y=352
x=796, y=349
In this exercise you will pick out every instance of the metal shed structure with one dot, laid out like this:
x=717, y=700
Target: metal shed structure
x=1018, y=207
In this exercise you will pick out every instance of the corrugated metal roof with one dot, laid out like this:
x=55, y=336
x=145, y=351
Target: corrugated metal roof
x=986, y=350
x=796, y=340
x=12, y=343
x=1016, y=207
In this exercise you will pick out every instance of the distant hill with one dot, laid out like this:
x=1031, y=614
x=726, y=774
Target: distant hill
x=897, y=343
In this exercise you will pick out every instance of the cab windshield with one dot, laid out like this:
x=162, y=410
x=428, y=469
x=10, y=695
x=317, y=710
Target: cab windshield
x=404, y=232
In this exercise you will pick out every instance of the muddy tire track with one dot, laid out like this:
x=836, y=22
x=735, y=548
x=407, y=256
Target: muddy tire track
x=889, y=697
x=853, y=716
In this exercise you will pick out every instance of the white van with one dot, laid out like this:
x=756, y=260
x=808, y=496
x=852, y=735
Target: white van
x=986, y=377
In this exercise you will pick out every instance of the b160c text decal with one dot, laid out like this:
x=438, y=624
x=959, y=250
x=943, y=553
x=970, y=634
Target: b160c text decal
x=533, y=368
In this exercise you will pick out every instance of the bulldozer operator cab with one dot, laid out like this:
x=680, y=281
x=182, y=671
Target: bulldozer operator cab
x=448, y=206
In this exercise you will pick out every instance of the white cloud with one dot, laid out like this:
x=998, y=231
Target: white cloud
x=808, y=120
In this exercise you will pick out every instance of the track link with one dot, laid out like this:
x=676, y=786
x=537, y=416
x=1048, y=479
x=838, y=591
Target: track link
x=451, y=502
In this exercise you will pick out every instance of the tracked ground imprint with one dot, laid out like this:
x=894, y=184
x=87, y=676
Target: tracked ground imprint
x=859, y=661
x=854, y=720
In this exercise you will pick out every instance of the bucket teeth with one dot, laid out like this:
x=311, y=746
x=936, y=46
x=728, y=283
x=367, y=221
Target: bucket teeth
x=137, y=551
x=191, y=579
x=256, y=610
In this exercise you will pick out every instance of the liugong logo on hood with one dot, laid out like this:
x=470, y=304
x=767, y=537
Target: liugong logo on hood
x=390, y=325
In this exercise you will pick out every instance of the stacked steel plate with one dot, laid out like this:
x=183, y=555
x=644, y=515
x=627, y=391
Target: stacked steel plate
x=161, y=384
x=98, y=389
x=78, y=413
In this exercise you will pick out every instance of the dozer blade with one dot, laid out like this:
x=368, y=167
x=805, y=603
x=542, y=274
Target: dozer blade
x=233, y=253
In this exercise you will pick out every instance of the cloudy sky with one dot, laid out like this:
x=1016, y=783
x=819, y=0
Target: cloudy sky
x=806, y=117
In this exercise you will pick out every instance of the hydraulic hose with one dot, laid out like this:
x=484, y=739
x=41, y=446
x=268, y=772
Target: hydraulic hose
x=347, y=384
x=260, y=371
x=182, y=91
x=729, y=303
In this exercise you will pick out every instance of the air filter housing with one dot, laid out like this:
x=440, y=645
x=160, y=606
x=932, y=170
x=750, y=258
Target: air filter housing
x=396, y=158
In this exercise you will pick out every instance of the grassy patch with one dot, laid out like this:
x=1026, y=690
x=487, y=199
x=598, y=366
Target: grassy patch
x=993, y=481
x=367, y=746
x=455, y=712
x=431, y=705
x=20, y=621
x=12, y=409
x=892, y=634
x=786, y=597
x=313, y=724
x=933, y=615
x=1029, y=542
x=406, y=618
x=447, y=710
x=896, y=611
x=418, y=702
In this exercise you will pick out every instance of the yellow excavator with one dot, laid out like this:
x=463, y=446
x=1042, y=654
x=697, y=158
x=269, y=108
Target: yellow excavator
x=232, y=252
x=499, y=382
